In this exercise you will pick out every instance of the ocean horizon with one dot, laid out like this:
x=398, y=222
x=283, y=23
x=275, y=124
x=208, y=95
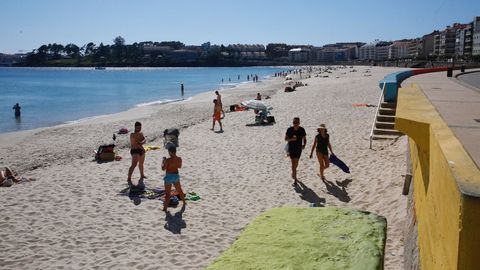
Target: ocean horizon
x=53, y=96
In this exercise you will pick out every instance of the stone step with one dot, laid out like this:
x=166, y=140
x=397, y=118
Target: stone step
x=383, y=137
x=390, y=105
x=386, y=111
x=379, y=131
x=385, y=125
x=386, y=118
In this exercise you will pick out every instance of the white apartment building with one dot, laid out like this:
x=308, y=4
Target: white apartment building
x=476, y=36
x=399, y=49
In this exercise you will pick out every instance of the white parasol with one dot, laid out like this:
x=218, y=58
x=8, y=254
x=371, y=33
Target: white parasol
x=257, y=105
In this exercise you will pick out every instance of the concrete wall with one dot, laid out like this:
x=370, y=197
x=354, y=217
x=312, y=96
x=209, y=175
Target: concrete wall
x=446, y=186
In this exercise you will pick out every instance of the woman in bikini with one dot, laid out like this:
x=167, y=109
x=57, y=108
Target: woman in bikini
x=137, y=151
x=170, y=166
x=322, y=144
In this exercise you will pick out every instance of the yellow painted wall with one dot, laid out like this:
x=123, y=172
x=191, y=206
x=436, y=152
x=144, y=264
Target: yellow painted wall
x=446, y=185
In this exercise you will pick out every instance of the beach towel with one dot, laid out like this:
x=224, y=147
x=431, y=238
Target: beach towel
x=192, y=196
x=144, y=193
x=339, y=163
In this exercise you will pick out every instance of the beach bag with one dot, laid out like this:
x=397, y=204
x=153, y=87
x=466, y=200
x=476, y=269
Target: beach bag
x=170, y=137
x=123, y=131
x=105, y=153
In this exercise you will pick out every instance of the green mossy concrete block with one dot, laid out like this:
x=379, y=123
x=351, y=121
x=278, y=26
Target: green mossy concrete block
x=308, y=238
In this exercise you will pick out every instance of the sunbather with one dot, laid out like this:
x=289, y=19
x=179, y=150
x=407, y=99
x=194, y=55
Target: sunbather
x=8, y=177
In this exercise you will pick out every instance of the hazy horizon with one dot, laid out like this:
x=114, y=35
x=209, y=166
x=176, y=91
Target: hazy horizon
x=28, y=24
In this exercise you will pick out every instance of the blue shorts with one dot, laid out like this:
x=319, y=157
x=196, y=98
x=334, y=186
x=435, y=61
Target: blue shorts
x=171, y=178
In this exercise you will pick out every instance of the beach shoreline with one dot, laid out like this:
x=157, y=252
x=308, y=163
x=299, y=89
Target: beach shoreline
x=75, y=216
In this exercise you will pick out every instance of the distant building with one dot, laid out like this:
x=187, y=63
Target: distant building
x=367, y=51
x=8, y=60
x=463, y=40
x=444, y=42
x=299, y=55
x=428, y=44
x=476, y=36
x=399, y=49
x=415, y=48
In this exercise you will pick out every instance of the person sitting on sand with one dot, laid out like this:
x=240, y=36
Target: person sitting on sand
x=170, y=166
x=8, y=177
x=217, y=114
x=322, y=144
x=295, y=135
x=137, y=151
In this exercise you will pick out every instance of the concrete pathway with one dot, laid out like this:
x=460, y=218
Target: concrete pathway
x=457, y=103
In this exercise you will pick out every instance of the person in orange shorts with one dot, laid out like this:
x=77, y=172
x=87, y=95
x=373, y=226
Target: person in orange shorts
x=217, y=114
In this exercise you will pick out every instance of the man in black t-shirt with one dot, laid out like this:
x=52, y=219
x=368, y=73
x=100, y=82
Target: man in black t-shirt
x=297, y=139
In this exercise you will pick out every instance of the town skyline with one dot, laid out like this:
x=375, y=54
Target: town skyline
x=29, y=24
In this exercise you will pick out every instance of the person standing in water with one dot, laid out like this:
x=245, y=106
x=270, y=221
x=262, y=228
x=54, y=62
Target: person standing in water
x=16, y=107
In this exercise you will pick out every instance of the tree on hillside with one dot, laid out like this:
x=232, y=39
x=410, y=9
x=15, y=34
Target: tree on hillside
x=119, y=41
x=72, y=50
x=89, y=48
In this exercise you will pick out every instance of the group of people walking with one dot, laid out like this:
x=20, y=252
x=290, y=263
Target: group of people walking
x=296, y=138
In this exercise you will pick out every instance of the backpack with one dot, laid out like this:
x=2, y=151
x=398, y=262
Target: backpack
x=105, y=153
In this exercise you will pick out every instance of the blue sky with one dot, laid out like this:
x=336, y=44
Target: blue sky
x=27, y=24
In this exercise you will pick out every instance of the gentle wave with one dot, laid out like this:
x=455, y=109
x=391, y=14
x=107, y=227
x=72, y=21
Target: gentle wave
x=156, y=102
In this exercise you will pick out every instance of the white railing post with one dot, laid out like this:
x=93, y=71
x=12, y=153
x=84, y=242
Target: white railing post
x=376, y=113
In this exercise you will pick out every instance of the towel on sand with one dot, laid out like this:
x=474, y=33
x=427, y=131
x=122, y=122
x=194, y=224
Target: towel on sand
x=339, y=163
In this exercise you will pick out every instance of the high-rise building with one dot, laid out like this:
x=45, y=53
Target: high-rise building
x=476, y=36
x=428, y=43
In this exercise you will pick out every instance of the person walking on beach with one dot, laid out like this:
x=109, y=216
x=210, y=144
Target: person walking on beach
x=296, y=138
x=219, y=99
x=16, y=107
x=322, y=144
x=137, y=151
x=170, y=166
x=217, y=114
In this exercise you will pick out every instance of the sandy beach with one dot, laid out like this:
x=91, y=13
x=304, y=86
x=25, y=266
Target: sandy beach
x=72, y=216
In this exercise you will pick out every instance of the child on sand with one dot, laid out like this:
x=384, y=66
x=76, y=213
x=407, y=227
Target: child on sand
x=170, y=166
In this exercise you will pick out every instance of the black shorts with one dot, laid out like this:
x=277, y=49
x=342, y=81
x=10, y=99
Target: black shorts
x=295, y=153
x=138, y=151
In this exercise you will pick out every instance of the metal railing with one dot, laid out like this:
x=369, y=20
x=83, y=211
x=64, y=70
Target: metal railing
x=376, y=113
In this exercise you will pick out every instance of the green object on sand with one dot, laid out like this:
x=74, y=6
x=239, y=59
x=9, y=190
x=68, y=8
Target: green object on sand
x=308, y=238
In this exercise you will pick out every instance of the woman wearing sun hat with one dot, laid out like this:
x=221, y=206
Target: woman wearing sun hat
x=321, y=145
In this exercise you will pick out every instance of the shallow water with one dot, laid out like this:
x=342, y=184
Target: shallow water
x=52, y=96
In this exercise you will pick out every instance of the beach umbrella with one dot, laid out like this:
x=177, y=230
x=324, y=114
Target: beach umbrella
x=256, y=105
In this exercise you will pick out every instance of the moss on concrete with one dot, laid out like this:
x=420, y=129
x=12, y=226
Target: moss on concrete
x=308, y=238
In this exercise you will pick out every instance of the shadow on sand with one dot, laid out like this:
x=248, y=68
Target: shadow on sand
x=338, y=191
x=175, y=223
x=307, y=194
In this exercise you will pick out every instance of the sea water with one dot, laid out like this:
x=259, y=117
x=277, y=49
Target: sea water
x=52, y=96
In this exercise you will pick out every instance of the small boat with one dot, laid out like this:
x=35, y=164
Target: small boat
x=100, y=68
